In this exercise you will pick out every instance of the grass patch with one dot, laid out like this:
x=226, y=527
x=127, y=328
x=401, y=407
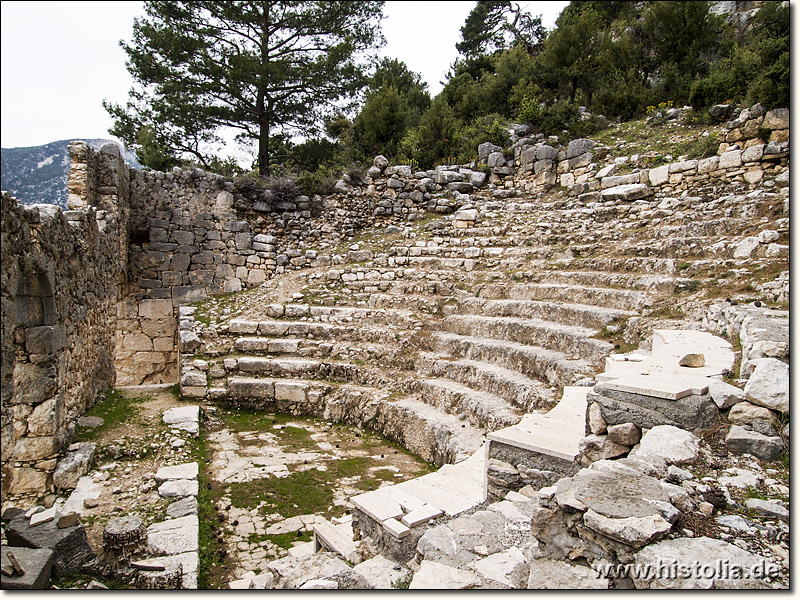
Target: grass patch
x=300, y=493
x=114, y=409
x=282, y=540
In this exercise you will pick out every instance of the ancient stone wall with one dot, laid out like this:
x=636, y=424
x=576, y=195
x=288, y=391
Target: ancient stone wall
x=60, y=274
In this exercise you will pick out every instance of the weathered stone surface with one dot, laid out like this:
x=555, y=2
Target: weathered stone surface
x=744, y=413
x=73, y=466
x=626, y=434
x=292, y=572
x=599, y=447
x=173, y=537
x=546, y=574
x=693, y=361
x=689, y=412
x=37, y=563
x=741, y=441
x=182, y=508
x=679, y=556
x=769, y=384
x=674, y=445
x=633, y=531
x=724, y=394
x=184, y=471
x=626, y=193
x=181, y=414
x=178, y=488
x=438, y=576
x=70, y=545
x=380, y=573
x=768, y=508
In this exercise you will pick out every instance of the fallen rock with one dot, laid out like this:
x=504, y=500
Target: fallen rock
x=769, y=384
x=546, y=574
x=37, y=563
x=626, y=434
x=724, y=394
x=291, y=572
x=633, y=531
x=70, y=546
x=741, y=441
x=73, y=466
x=381, y=573
x=675, y=445
x=768, y=508
x=503, y=567
x=600, y=447
x=699, y=563
x=693, y=361
x=438, y=576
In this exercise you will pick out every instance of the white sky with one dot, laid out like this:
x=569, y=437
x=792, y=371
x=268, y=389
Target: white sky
x=60, y=60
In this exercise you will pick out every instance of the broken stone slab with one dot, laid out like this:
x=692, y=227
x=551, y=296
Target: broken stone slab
x=742, y=441
x=70, y=546
x=44, y=516
x=380, y=573
x=504, y=568
x=184, y=471
x=182, y=508
x=676, y=446
x=320, y=584
x=768, y=508
x=291, y=572
x=421, y=515
x=178, y=488
x=547, y=574
x=689, y=412
x=175, y=536
x=73, y=466
x=85, y=491
x=699, y=563
x=724, y=394
x=627, y=192
x=181, y=414
x=438, y=576
x=599, y=447
x=768, y=385
x=68, y=520
x=633, y=531
x=37, y=564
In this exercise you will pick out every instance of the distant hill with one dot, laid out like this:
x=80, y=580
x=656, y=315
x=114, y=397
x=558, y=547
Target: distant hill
x=38, y=174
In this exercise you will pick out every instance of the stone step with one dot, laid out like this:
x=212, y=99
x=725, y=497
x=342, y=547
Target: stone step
x=651, y=283
x=337, y=539
x=432, y=434
x=520, y=391
x=311, y=330
x=327, y=349
x=295, y=368
x=424, y=305
x=556, y=433
x=483, y=410
x=335, y=315
x=584, y=315
x=608, y=297
x=273, y=394
x=549, y=366
x=567, y=339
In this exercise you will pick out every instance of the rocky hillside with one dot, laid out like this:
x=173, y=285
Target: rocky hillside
x=38, y=174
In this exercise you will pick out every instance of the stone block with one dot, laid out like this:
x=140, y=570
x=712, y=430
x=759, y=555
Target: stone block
x=156, y=309
x=768, y=385
x=184, y=471
x=44, y=340
x=70, y=546
x=290, y=391
x=777, y=118
x=73, y=466
x=731, y=159
x=37, y=563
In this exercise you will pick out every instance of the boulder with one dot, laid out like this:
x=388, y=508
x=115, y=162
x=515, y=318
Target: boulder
x=768, y=386
x=73, y=466
x=721, y=112
x=70, y=546
x=626, y=434
x=698, y=563
x=599, y=447
x=742, y=441
x=768, y=508
x=724, y=394
x=485, y=149
x=675, y=445
x=579, y=146
x=744, y=413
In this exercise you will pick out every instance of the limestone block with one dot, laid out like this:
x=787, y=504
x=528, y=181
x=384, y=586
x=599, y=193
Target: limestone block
x=724, y=394
x=579, y=146
x=36, y=448
x=157, y=329
x=674, y=445
x=768, y=386
x=290, y=391
x=44, y=340
x=777, y=118
x=731, y=159
x=742, y=441
x=626, y=434
x=170, y=473
x=178, y=488
x=626, y=193
x=33, y=384
x=753, y=153
x=632, y=531
x=746, y=247
x=707, y=165
x=73, y=466
x=753, y=176
x=37, y=563
x=600, y=447
x=137, y=342
x=438, y=576
x=546, y=574
x=595, y=418
x=45, y=419
x=659, y=175
x=768, y=509
x=189, y=342
x=156, y=309
x=27, y=480
x=777, y=251
x=164, y=344
x=70, y=545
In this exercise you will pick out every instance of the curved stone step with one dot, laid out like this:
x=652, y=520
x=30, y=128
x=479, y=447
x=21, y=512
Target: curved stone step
x=595, y=317
x=297, y=368
x=310, y=330
x=539, y=363
x=523, y=392
x=482, y=409
x=614, y=298
x=567, y=339
x=419, y=304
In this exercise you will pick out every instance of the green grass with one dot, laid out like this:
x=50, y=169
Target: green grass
x=300, y=493
x=282, y=540
x=114, y=409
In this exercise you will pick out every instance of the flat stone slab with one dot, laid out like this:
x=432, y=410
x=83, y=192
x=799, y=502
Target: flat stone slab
x=651, y=386
x=396, y=528
x=182, y=508
x=381, y=573
x=421, y=515
x=377, y=506
x=546, y=574
x=499, y=567
x=175, y=536
x=331, y=537
x=437, y=576
x=184, y=471
x=38, y=564
x=178, y=488
x=86, y=488
x=182, y=414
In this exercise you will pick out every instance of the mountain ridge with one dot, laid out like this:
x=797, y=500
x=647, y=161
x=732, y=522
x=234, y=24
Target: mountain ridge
x=38, y=174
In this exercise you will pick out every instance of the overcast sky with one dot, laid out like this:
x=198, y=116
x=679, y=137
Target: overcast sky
x=61, y=59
